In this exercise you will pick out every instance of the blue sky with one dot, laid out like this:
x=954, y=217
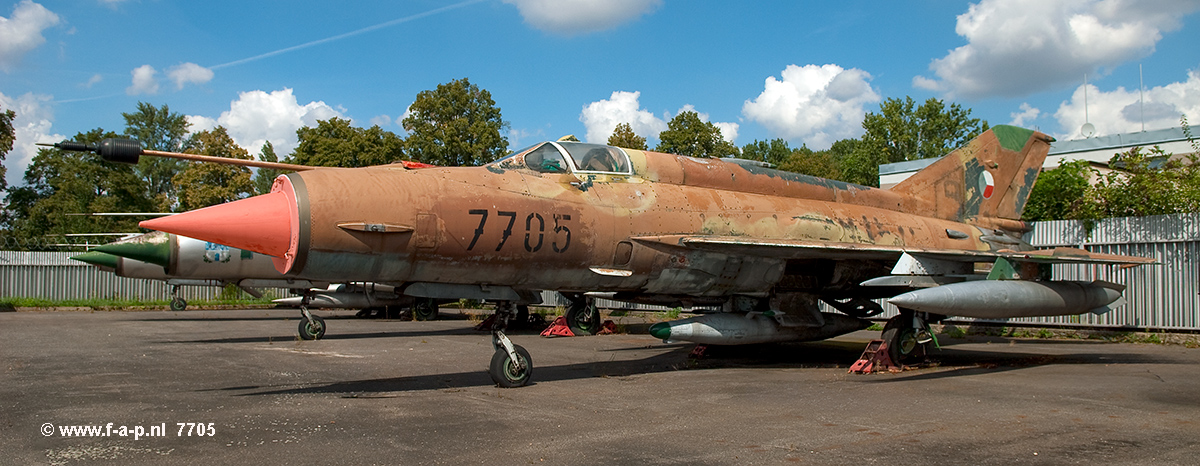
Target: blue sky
x=803, y=71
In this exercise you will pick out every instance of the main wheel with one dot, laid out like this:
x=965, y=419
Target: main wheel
x=583, y=318
x=312, y=329
x=178, y=304
x=425, y=309
x=901, y=340
x=505, y=373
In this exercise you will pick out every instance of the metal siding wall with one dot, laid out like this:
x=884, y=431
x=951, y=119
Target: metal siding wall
x=53, y=275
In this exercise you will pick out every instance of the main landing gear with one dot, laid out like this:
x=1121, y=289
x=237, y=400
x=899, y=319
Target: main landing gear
x=311, y=327
x=511, y=365
x=583, y=317
x=907, y=336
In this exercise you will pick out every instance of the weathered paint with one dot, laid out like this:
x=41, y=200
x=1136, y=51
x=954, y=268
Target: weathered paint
x=667, y=229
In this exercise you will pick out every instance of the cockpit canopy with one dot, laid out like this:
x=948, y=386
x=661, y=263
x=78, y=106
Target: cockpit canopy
x=568, y=157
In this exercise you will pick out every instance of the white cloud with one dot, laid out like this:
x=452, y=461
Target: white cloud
x=602, y=117
x=143, y=81
x=92, y=81
x=1026, y=116
x=22, y=32
x=572, y=17
x=1118, y=111
x=816, y=105
x=189, y=73
x=382, y=121
x=31, y=125
x=1019, y=47
x=257, y=116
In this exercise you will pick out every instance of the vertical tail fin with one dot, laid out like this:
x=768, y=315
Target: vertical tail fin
x=990, y=177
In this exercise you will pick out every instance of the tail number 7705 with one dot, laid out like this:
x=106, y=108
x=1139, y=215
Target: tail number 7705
x=535, y=230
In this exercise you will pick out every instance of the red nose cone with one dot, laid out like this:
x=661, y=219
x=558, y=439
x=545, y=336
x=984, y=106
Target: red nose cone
x=258, y=224
x=266, y=224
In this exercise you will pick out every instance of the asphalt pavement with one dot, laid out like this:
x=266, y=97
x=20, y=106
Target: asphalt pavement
x=237, y=387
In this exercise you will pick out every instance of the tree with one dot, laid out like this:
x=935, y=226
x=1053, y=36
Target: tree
x=1147, y=183
x=266, y=176
x=205, y=184
x=59, y=182
x=456, y=124
x=158, y=129
x=898, y=133
x=334, y=143
x=687, y=135
x=775, y=151
x=1061, y=193
x=809, y=162
x=8, y=135
x=623, y=136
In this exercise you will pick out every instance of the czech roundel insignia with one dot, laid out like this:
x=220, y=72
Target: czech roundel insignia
x=986, y=184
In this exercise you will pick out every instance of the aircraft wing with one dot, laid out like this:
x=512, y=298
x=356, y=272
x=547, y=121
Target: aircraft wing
x=807, y=249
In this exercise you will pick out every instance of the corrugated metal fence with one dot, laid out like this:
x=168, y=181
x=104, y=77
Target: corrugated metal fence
x=53, y=275
x=1161, y=296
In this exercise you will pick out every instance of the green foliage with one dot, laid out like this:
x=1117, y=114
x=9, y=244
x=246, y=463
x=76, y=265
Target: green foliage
x=774, y=152
x=809, y=162
x=1147, y=184
x=266, y=176
x=454, y=125
x=334, y=143
x=59, y=182
x=206, y=184
x=158, y=129
x=623, y=136
x=687, y=135
x=900, y=132
x=8, y=134
x=1061, y=193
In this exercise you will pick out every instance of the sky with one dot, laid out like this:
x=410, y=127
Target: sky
x=803, y=71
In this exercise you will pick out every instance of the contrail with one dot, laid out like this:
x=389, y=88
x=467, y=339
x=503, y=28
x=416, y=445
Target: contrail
x=348, y=34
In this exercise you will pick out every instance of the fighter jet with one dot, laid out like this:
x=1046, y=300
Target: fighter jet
x=650, y=227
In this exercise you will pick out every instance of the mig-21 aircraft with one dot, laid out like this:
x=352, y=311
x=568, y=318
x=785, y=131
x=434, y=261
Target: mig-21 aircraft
x=765, y=245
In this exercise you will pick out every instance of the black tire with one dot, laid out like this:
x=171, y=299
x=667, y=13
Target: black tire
x=505, y=374
x=312, y=330
x=425, y=309
x=583, y=318
x=901, y=340
x=178, y=304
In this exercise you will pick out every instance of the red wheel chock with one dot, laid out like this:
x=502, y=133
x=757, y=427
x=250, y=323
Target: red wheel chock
x=558, y=328
x=874, y=358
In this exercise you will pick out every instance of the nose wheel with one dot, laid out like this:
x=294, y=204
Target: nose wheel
x=311, y=327
x=177, y=302
x=511, y=365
